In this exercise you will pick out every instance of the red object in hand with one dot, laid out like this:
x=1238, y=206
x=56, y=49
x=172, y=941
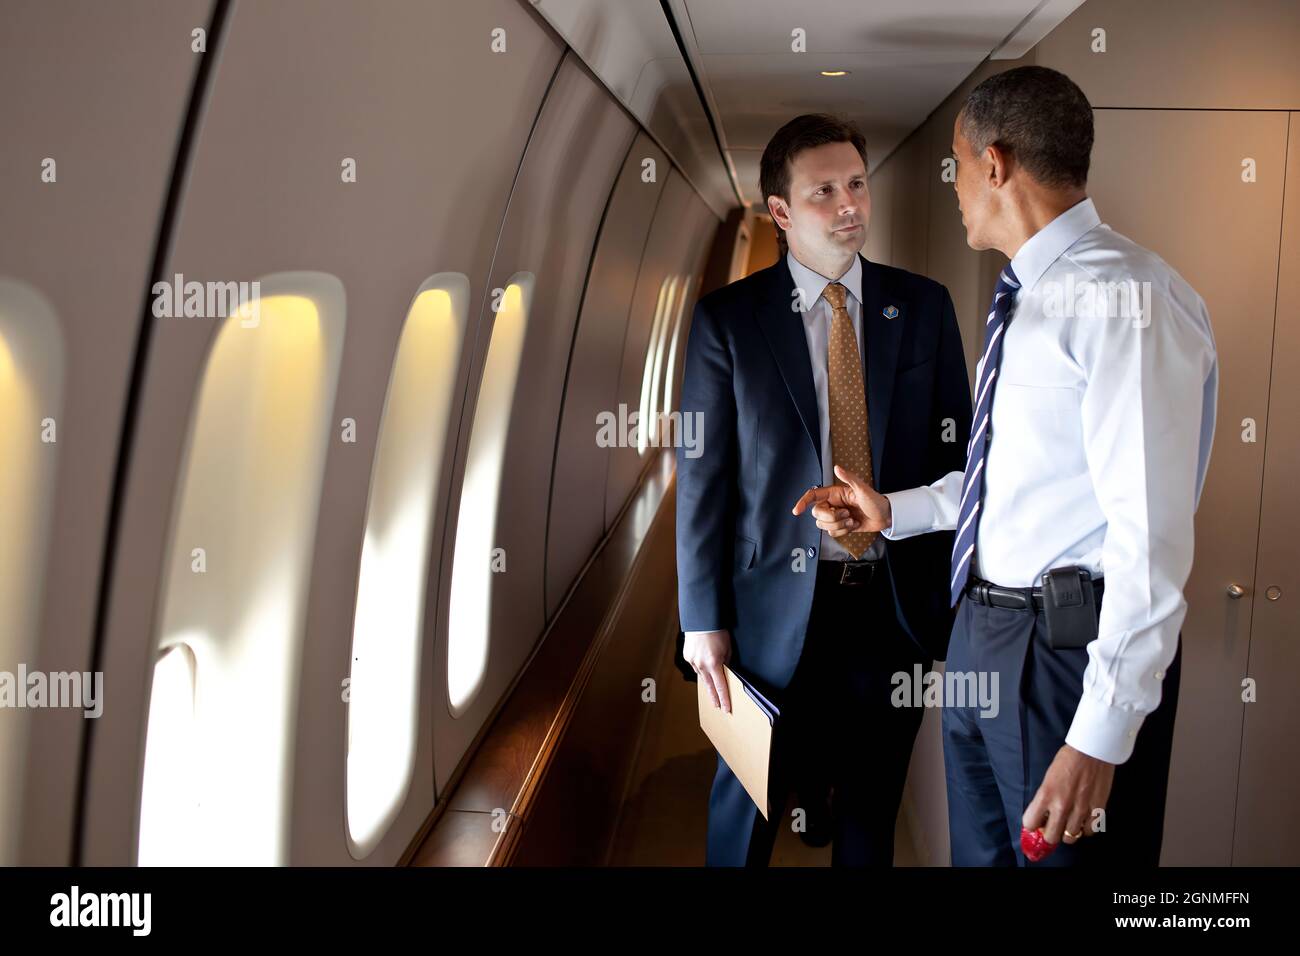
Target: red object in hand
x=1035, y=845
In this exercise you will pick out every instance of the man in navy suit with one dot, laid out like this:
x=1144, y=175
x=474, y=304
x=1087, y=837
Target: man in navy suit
x=822, y=366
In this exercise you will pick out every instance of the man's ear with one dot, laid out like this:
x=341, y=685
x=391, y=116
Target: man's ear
x=998, y=162
x=780, y=211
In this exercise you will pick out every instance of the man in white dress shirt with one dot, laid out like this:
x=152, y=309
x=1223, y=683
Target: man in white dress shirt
x=1095, y=407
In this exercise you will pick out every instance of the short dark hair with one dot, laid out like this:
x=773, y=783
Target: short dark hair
x=802, y=132
x=1038, y=115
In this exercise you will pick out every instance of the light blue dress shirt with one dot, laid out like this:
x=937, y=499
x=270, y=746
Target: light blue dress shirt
x=817, y=331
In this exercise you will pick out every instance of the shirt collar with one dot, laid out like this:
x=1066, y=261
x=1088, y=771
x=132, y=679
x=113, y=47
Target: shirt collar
x=814, y=283
x=1049, y=243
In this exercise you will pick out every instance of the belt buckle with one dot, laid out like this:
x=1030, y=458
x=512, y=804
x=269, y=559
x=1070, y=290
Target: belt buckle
x=849, y=572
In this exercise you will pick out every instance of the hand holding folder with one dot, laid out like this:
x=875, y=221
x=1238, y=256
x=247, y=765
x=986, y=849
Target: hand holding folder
x=743, y=738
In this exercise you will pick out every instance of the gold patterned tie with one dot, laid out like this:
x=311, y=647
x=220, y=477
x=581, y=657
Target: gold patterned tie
x=850, y=431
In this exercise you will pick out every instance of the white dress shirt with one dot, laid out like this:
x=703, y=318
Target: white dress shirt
x=817, y=332
x=1102, y=420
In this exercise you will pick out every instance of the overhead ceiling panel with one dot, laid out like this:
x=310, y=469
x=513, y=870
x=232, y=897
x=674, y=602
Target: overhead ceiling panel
x=834, y=26
x=902, y=58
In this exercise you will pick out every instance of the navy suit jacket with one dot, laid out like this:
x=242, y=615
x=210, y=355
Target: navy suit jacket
x=744, y=562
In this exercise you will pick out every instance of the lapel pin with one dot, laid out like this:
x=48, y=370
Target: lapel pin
x=889, y=312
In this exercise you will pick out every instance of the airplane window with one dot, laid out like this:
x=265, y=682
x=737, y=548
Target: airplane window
x=383, y=706
x=670, y=366
x=170, y=796
x=653, y=360
x=31, y=392
x=469, y=614
x=236, y=580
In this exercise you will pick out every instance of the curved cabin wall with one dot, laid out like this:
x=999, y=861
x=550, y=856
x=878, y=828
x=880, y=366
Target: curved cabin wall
x=674, y=216
x=267, y=190
x=234, y=593
x=94, y=100
x=578, y=488
x=549, y=231
x=570, y=808
x=31, y=394
x=269, y=187
x=368, y=163
x=478, y=559
x=388, y=631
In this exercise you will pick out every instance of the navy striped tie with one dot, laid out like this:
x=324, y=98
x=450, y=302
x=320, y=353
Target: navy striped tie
x=972, y=487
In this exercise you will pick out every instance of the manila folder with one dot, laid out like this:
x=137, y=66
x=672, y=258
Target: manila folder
x=743, y=738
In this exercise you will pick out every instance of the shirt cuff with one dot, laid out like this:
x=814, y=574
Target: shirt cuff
x=1104, y=732
x=912, y=512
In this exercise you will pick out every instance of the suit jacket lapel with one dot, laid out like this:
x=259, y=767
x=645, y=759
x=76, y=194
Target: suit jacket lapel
x=881, y=336
x=783, y=328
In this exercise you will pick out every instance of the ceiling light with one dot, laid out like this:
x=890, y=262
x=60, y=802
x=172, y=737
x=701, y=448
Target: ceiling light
x=835, y=72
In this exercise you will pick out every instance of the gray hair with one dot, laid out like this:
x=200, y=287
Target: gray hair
x=1037, y=114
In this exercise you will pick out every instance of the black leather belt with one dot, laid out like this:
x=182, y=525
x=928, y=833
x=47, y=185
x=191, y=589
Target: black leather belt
x=1020, y=599
x=849, y=572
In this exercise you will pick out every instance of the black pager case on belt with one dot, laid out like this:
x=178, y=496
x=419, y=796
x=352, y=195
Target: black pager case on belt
x=1070, y=607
